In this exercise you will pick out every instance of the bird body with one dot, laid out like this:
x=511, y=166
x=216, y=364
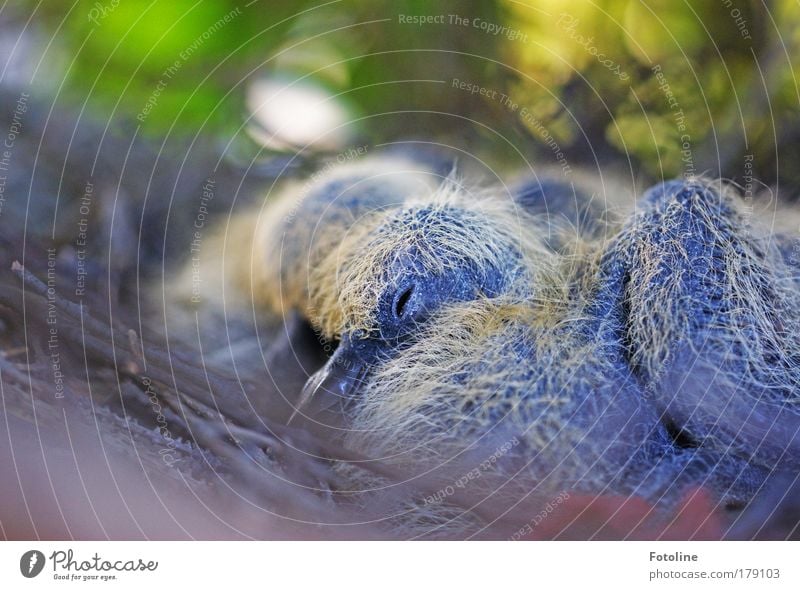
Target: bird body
x=639, y=358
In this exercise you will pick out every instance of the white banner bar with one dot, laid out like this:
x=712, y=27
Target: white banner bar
x=353, y=565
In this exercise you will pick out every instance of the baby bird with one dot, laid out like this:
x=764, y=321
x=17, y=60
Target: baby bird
x=540, y=356
x=461, y=317
x=389, y=277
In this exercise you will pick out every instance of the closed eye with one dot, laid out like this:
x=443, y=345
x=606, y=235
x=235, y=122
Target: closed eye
x=401, y=301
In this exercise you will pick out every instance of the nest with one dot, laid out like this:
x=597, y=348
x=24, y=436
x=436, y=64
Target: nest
x=116, y=430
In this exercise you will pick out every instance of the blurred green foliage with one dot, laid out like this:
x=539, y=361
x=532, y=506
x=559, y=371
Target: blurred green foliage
x=121, y=54
x=586, y=71
x=727, y=73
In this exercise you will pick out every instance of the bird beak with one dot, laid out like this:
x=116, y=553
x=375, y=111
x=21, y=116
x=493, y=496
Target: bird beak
x=338, y=380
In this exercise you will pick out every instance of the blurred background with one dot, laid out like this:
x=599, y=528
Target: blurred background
x=650, y=86
x=150, y=99
x=147, y=100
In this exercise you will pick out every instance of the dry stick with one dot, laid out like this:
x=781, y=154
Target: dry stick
x=99, y=343
x=73, y=309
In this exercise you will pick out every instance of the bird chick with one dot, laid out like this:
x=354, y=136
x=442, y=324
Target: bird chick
x=639, y=359
x=536, y=362
x=387, y=279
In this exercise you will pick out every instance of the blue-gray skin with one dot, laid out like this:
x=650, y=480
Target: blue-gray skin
x=562, y=204
x=410, y=297
x=663, y=467
x=585, y=367
x=601, y=434
x=683, y=229
x=735, y=433
x=414, y=294
x=738, y=430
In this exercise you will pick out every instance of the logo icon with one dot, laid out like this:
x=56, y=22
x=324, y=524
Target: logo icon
x=31, y=563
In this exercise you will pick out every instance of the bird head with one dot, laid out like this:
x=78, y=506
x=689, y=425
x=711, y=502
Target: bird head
x=396, y=272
